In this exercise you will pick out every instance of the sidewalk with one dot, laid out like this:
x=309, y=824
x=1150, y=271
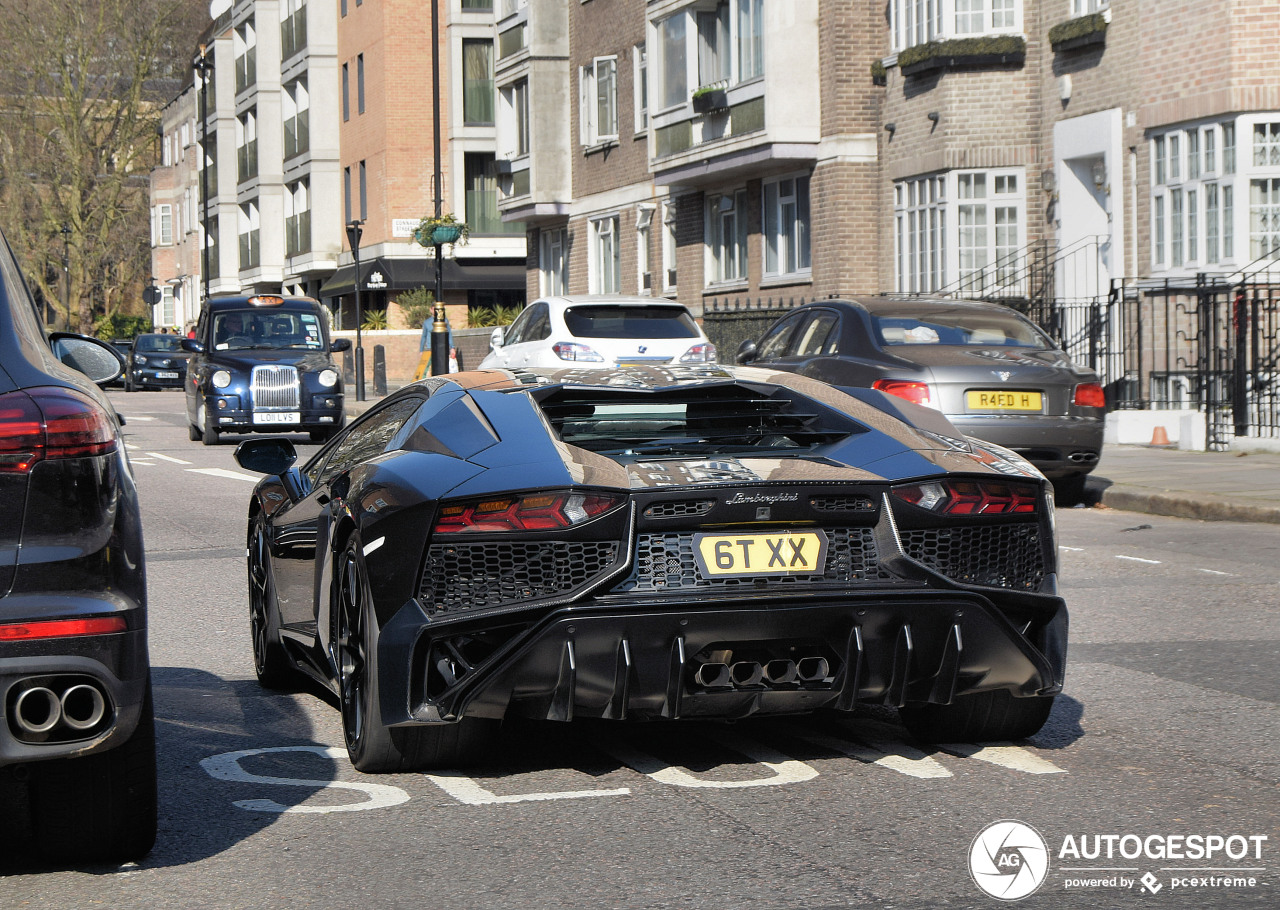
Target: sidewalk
x=1215, y=486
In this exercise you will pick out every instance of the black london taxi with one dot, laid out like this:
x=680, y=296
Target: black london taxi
x=263, y=364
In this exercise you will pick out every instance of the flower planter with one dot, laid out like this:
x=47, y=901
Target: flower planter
x=446, y=233
x=714, y=100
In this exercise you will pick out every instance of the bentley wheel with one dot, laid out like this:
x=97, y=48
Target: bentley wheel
x=372, y=746
x=982, y=717
x=270, y=662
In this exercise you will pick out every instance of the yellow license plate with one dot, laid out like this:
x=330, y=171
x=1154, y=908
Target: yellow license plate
x=1005, y=401
x=777, y=553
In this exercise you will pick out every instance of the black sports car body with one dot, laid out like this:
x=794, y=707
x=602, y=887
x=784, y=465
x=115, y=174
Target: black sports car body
x=652, y=544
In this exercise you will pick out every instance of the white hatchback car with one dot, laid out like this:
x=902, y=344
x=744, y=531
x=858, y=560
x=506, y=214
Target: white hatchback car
x=602, y=332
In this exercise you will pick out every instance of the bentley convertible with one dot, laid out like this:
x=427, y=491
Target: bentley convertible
x=651, y=544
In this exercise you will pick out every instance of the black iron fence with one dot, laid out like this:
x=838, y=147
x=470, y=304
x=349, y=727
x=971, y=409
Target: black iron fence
x=1211, y=345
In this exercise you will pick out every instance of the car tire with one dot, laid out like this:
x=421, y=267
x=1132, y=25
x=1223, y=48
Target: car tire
x=372, y=746
x=1069, y=491
x=208, y=433
x=270, y=662
x=101, y=807
x=193, y=432
x=321, y=436
x=981, y=717
x=128, y=382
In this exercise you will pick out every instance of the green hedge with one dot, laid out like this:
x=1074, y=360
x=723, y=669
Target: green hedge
x=960, y=48
x=1080, y=27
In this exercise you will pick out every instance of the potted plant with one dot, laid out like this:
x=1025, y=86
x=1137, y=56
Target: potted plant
x=443, y=229
x=707, y=98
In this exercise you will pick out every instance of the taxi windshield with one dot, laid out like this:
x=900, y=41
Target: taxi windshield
x=256, y=330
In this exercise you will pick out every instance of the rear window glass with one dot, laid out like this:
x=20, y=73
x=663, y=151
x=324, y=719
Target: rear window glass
x=151, y=344
x=959, y=327
x=630, y=322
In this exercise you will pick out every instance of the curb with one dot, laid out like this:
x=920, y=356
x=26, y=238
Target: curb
x=1201, y=506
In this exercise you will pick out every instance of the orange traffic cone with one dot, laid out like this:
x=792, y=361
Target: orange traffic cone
x=1160, y=437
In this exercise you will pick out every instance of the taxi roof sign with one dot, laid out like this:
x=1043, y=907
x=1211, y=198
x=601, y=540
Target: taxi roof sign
x=266, y=300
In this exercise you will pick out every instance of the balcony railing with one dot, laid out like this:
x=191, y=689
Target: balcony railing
x=293, y=34
x=246, y=70
x=250, y=252
x=297, y=135
x=247, y=161
x=298, y=234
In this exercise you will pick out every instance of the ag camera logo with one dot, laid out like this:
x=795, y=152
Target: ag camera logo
x=1008, y=860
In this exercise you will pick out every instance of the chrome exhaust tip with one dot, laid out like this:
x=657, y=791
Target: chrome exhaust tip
x=83, y=707
x=746, y=673
x=780, y=672
x=712, y=675
x=37, y=710
x=812, y=669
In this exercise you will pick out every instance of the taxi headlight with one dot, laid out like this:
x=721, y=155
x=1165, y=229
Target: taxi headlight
x=221, y=379
x=328, y=378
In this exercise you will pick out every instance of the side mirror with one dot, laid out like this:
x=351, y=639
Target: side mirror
x=746, y=352
x=191, y=346
x=271, y=455
x=498, y=337
x=340, y=344
x=96, y=359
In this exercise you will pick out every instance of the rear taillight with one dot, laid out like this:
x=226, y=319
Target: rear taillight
x=1089, y=395
x=567, y=350
x=966, y=497
x=531, y=512
x=699, y=353
x=917, y=392
x=62, y=628
x=47, y=423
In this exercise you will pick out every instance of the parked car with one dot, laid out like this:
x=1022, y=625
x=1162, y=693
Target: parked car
x=263, y=363
x=993, y=372
x=656, y=543
x=77, y=740
x=599, y=332
x=156, y=361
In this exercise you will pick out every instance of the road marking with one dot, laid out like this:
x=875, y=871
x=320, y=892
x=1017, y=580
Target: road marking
x=1072, y=549
x=466, y=790
x=230, y=475
x=1015, y=758
x=1214, y=572
x=785, y=770
x=137, y=417
x=226, y=766
x=1150, y=562
x=891, y=756
x=167, y=458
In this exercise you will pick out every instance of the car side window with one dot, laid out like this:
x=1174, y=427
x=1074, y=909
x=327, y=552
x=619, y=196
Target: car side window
x=368, y=438
x=539, y=324
x=515, y=332
x=812, y=340
x=775, y=343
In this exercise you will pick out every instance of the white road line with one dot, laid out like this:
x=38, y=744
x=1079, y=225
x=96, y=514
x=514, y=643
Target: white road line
x=167, y=458
x=1214, y=572
x=137, y=417
x=783, y=769
x=466, y=790
x=891, y=756
x=1150, y=562
x=230, y=475
x=1072, y=549
x=1015, y=758
x=226, y=766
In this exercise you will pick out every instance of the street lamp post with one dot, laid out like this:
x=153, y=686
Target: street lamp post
x=202, y=68
x=354, y=230
x=439, y=323
x=66, y=271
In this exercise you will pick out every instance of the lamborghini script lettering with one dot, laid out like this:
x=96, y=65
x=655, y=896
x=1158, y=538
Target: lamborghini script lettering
x=761, y=497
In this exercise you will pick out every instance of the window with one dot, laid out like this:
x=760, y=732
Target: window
x=513, y=126
x=1228, y=148
x=293, y=27
x=1264, y=217
x=671, y=45
x=247, y=146
x=297, y=220
x=713, y=44
x=296, y=108
x=162, y=225
x=605, y=271
x=1176, y=255
x=364, y=192
x=166, y=305
x=553, y=275
x=1157, y=160
x=750, y=39
x=644, y=234
x=1211, y=249
x=1193, y=154
x=1210, y=158
x=359, y=83
x=481, y=179
x=786, y=226
x=1193, y=232
x=477, y=81
x=726, y=234
x=1158, y=230
x=913, y=22
x=245, y=47
x=920, y=218
x=346, y=92
x=598, y=110
x=640, y=56
x=668, y=247
x=1175, y=158
x=249, y=227
x=1085, y=7
x=988, y=219
x=346, y=195
x=1192, y=194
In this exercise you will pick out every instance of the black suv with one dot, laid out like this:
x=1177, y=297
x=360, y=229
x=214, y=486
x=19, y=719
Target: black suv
x=77, y=739
x=263, y=364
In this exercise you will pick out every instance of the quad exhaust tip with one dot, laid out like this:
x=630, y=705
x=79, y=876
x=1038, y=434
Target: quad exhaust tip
x=745, y=674
x=59, y=710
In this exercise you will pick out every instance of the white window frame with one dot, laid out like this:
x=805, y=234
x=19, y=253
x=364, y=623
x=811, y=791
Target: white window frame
x=553, y=272
x=644, y=254
x=990, y=228
x=1085, y=7
x=786, y=227
x=726, y=237
x=598, y=101
x=920, y=233
x=513, y=119
x=670, y=276
x=604, y=276
x=640, y=83
x=162, y=225
x=913, y=22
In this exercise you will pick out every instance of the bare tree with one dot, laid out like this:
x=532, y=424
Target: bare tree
x=81, y=87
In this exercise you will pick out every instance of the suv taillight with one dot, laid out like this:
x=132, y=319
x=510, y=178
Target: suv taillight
x=47, y=423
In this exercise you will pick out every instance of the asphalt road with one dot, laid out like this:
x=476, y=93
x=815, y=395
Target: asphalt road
x=1167, y=731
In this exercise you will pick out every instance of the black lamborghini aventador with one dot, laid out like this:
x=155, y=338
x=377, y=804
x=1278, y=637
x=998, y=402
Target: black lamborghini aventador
x=651, y=544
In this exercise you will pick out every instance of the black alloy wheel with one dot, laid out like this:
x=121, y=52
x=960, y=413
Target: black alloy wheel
x=270, y=662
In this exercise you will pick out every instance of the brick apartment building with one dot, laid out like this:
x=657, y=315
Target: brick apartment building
x=316, y=113
x=718, y=149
